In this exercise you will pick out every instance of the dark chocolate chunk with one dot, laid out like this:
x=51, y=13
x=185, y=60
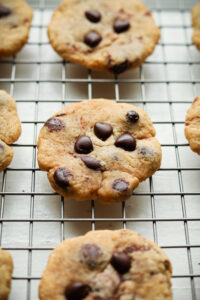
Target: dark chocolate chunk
x=117, y=69
x=92, y=163
x=89, y=255
x=92, y=39
x=120, y=185
x=93, y=15
x=121, y=26
x=83, y=145
x=126, y=142
x=61, y=177
x=77, y=291
x=103, y=131
x=4, y=11
x=54, y=124
x=167, y=264
x=132, y=116
x=121, y=262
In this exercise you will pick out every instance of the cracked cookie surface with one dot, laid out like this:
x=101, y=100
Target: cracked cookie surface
x=107, y=265
x=98, y=149
x=10, y=128
x=113, y=35
x=6, y=268
x=192, y=125
x=15, y=22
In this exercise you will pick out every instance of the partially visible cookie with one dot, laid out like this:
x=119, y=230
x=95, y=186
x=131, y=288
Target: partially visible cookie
x=104, y=264
x=98, y=149
x=10, y=128
x=196, y=25
x=192, y=125
x=6, y=269
x=110, y=35
x=15, y=22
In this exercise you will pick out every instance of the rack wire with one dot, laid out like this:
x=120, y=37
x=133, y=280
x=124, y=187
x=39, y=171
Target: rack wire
x=165, y=208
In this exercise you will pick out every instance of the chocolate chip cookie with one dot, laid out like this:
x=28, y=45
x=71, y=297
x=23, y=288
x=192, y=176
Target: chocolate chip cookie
x=98, y=149
x=110, y=35
x=192, y=125
x=6, y=268
x=15, y=22
x=10, y=128
x=104, y=264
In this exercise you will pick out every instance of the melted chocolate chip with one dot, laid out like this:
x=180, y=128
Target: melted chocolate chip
x=54, y=124
x=93, y=16
x=132, y=116
x=92, y=39
x=121, y=26
x=117, y=69
x=146, y=151
x=103, y=131
x=126, y=142
x=4, y=11
x=61, y=177
x=89, y=254
x=121, y=262
x=120, y=185
x=92, y=163
x=83, y=145
x=167, y=264
x=134, y=248
x=77, y=291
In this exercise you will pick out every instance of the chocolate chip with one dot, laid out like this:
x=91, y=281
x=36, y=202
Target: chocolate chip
x=126, y=142
x=134, y=248
x=92, y=163
x=117, y=69
x=120, y=185
x=146, y=151
x=4, y=11
x=103, y=130
x=83, y=145
x=121, y=262
x=92, y=39
x=77, y=291
x=54, y=124
x=89, y=254
x=61, y=177
x=132, y=116
x=167, y=264
x=121, y=26
x=93, y=15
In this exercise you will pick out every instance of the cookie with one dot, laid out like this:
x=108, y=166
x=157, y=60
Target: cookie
x=196, y=25
x=6, y=269
x=10, y=128
x=98, y=149
x=15, y=22
x=104, y=265
x=110, y=35
x=192, y=125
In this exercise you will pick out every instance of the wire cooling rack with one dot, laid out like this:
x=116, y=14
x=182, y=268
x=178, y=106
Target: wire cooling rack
x=165, y=208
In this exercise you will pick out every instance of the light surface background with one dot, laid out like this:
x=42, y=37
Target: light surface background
x=165, y=208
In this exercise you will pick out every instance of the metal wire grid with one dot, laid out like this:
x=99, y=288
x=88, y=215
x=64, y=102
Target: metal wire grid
x=189, y=283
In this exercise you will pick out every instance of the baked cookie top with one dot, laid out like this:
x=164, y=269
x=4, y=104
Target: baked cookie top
x=6, y=268
x=98, y=149
x=105, y=265
x=10, y=128
x=112, y=35
x=15, y=22
x=192, y=125
x=196, y=24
